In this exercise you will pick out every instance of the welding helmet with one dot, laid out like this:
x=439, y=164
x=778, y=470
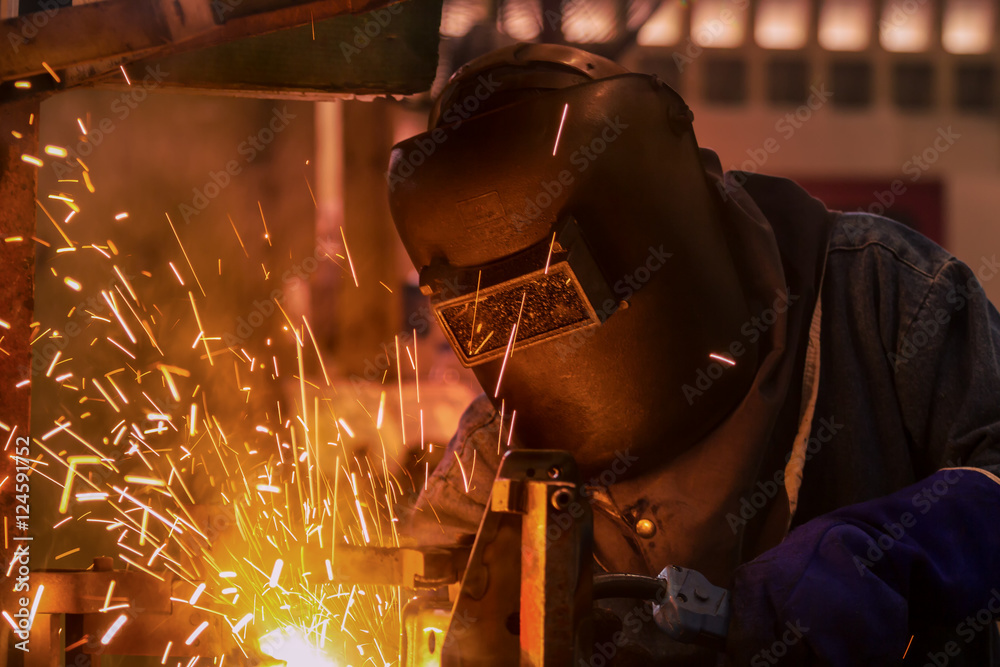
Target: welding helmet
x=575, y=256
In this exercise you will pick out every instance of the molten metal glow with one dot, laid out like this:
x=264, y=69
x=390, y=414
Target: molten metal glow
x=289, y=645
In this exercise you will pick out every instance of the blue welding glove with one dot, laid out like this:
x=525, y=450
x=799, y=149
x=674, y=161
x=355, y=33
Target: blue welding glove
x=850, y=587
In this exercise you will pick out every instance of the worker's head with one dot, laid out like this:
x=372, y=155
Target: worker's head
x=576, y=257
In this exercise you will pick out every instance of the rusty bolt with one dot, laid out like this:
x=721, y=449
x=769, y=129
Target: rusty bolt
x=562, y=498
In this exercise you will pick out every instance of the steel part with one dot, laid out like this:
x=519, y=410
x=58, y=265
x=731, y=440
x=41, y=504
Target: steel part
x=83, y=592
x=389, y=566
x=695, y=610
x=542, y=597
x=91, y=39
x=18, y=182
x=556, y=575
x=425, y=620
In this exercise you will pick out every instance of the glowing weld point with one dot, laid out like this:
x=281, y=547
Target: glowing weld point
x=115, y=627
x=197, y=631
x=722, y=358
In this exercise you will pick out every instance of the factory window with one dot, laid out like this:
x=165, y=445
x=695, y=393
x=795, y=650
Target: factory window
x=782, y=24
x=851, y=82
x=906, y=25
x=975, y=87
x=718, y=24
x=913, y=85
x=458, y=16
x=725, y=81
x=664, y=26
x=521, y=19
x=787, y=81
x=589, y=21
x=968, y=26
x=845, y=25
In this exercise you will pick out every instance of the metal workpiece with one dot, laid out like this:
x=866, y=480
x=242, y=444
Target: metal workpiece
x=525, y=597
x=693, y=610
x=409, y=567
x=85, y=606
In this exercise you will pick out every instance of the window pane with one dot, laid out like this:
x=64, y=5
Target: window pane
x=968, y=26
x=663, y=28
x=521, y=19
x=589, y=21
x=845, y=25
x=906, y=25
x=718, y=23
x=782, y=24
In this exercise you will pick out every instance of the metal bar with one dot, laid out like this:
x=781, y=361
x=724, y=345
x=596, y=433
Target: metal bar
x=18, y=181
x=90, y=40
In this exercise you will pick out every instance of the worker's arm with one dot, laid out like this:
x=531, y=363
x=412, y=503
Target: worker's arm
x=850, y=587
x=452, y=505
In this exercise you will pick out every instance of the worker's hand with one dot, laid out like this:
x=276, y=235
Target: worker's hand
x=851, y=587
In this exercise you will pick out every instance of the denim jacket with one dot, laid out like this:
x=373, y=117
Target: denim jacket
x=909, y=382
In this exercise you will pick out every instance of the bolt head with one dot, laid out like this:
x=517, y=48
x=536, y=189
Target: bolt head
x=645, y=528
x=562, y=498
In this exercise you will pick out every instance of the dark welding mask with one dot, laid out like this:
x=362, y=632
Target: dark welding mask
x=573, y=251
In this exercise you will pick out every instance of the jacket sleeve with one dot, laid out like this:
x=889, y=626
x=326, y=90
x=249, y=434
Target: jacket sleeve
x=451, y=505
x=947, y=371
x=849, y=587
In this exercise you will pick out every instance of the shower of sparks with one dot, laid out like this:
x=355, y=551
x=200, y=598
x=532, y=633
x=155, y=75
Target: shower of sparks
x=137, y=447
x=559, y=133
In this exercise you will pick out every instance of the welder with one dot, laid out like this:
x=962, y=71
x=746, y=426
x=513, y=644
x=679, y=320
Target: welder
x=786, y=398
